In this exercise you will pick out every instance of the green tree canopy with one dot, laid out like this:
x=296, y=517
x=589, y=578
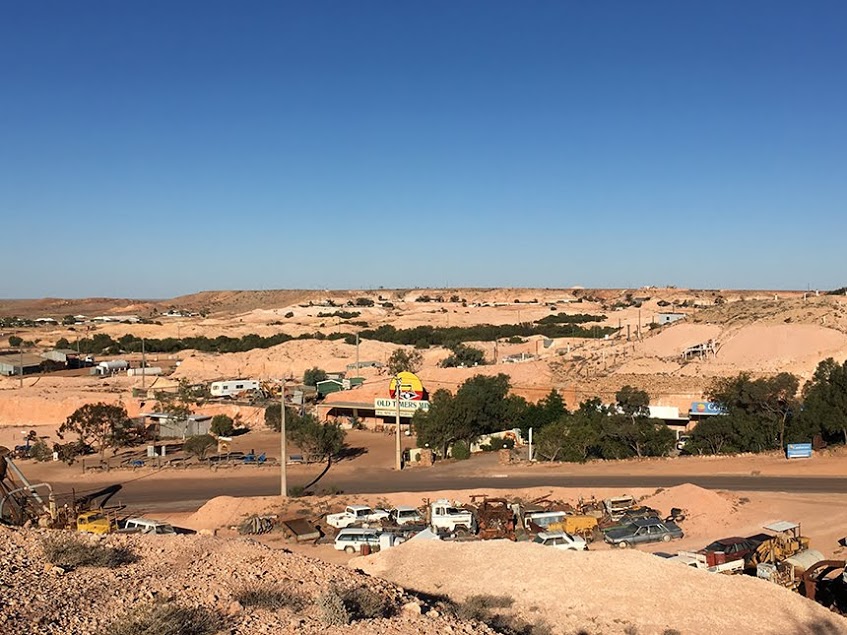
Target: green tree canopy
x=313, y=375
x=402, y=360
x=222, y=425
x=825, y=401
x=480, y=406
x=463, y=355
x=199, y=445
x=99, y=425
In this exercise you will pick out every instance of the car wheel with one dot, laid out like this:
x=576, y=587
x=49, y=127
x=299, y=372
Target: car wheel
x=623, y=544
x=350, y=550
x=666, y=538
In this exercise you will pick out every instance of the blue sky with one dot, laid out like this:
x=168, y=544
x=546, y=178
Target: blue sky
x=149, y=149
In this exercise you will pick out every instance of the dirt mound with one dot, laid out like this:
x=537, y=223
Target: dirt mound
x=604, y=592
x=781, y=347
x=196, y=572
x=673, y=340
x=706, y=510
x=228, y=511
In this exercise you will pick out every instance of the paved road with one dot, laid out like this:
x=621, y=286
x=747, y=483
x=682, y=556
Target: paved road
x=187, y=494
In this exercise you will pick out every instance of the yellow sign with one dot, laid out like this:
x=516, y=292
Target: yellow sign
x=411, y=388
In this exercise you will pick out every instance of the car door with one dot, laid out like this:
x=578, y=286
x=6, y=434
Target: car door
x=641, y=535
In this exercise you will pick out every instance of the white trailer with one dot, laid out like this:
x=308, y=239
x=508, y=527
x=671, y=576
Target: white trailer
x=111, y=367
x=233, y=387
x=147, y=370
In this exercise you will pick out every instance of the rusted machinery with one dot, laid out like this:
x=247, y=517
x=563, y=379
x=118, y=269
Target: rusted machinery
x=495, y=517
x=824, y=582
x=22, y=502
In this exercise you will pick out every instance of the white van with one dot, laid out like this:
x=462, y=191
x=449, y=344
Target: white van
x=146, y=526
x=351, y=539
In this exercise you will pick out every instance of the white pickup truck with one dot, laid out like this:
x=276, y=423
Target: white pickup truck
x=700, y=561
x=355, y=514
x=445, y=516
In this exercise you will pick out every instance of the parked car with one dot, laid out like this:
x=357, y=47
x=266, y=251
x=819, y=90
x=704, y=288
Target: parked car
x=406, y=515
x=355, y=514
x=642, y=531
x=145, y=526
x=352, y=539
x=561, y=540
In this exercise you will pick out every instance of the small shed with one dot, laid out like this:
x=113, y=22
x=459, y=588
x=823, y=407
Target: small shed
x=167, y=428
x=10, y=364
x=329, y=386
x=669, y=318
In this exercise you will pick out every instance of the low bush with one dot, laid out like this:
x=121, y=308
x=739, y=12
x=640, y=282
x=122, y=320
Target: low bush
x=460, y=451
x=69, y=552
x=269, y=596
x=168, y=619
x=331, y=608
x=364, y=604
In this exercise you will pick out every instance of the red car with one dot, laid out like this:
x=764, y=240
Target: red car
x=729, y=549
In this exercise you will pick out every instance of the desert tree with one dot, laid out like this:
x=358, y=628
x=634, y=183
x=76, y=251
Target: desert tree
x=99, y=425
x=402, y=360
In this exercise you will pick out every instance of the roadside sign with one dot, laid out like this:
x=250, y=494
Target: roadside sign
x=798, y=451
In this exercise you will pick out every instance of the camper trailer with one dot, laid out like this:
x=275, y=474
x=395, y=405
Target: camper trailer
x=233, y=387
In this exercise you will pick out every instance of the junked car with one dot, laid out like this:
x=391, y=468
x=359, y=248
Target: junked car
x=561, y=540
x=644, y=531
x=406, y=515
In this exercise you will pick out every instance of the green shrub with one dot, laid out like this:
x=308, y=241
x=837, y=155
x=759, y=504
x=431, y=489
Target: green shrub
x=460, y=451
x=222, y=425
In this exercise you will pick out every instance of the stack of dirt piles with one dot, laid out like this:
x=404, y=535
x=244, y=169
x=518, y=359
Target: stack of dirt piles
x=604, y=592
x=196, y=584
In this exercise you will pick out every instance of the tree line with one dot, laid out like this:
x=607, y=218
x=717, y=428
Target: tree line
x=483, y=405
x=758, y=415
x=765, y=414
x=447, y=336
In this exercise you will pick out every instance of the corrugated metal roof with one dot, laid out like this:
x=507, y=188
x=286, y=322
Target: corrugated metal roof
x=782, y=525
x=14, y=359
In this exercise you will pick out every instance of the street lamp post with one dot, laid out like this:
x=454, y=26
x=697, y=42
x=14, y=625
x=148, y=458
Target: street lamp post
x=283, y=477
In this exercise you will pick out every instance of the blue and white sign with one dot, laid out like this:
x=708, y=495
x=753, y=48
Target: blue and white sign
x=798, y=451
x=705, y=408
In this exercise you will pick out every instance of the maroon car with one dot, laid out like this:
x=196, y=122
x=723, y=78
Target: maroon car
x=730, y=549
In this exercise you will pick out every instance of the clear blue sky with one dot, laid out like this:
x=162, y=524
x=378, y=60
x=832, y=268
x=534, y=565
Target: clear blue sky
x=154, y=148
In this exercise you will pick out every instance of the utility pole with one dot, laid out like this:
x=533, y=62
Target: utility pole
x=21, y=351
x=283, y=477
x=398, y=445
x=357, y=354
x=143, y=366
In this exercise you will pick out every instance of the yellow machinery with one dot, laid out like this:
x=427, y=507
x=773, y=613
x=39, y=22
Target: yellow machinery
x=96, y=522
x=579, y=525
x=785, y=542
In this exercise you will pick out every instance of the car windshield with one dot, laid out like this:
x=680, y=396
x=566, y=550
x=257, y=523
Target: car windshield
x=539, y=540
x=717, y=546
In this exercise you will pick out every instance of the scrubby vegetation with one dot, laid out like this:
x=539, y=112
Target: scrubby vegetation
x=269, y=596
x=70, y=552
x=168, y=619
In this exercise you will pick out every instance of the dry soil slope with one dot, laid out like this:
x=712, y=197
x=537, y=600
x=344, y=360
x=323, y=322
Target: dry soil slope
x=602, y=592
x=196, y=571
